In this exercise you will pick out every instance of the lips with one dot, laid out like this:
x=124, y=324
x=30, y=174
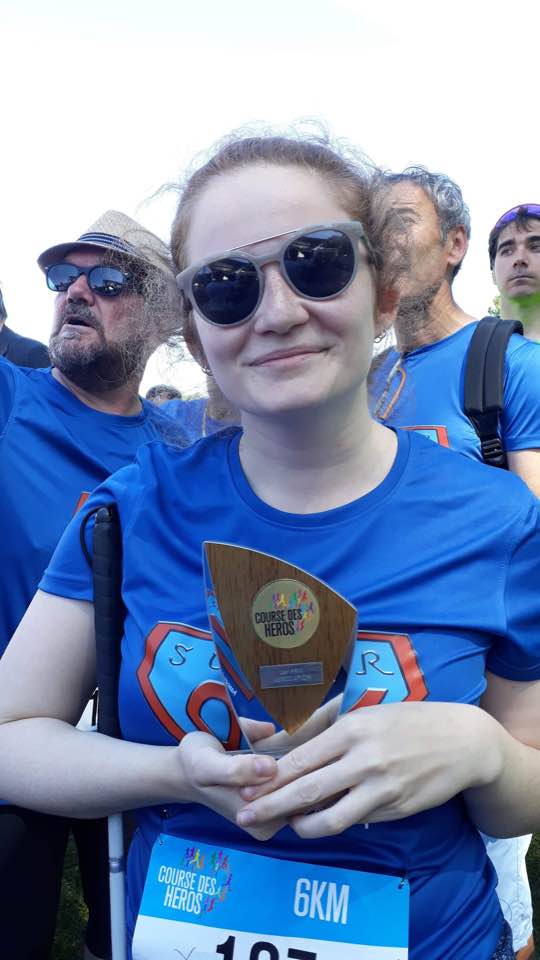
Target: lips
x=77, y=320
x=289, y=354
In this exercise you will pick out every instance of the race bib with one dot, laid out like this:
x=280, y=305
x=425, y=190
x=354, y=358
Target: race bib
x=203, y=902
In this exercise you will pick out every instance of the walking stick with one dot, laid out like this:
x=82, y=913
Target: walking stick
x=109, y=620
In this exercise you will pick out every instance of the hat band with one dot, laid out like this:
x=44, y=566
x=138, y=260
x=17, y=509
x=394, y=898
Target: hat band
x=109, y=240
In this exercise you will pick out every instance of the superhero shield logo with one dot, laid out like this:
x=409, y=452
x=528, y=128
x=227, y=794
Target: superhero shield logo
x=174, y=678
x=182, y=682
x=384, y=669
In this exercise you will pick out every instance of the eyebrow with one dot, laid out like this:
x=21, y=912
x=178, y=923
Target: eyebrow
x=511, y=242
x=405, y=209
x=505, y=244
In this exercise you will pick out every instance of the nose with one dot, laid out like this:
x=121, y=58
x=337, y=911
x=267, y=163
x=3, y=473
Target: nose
x=80, y=291
x=520, y=257
x=281, y=308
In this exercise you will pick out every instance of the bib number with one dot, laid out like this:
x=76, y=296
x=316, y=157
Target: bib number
x=202, y=902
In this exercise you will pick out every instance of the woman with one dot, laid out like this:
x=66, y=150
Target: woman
x=408, y=533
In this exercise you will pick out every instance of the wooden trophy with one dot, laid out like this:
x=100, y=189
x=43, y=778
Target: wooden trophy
x=281, y=635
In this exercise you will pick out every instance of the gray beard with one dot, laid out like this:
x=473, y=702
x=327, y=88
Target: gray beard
x=98, y=367
x=413, y=315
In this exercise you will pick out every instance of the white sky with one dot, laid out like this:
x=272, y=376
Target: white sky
x=102, y=102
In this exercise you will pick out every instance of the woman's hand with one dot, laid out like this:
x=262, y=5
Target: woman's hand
x=378, y=763
x=264, y=739
x=214, y=777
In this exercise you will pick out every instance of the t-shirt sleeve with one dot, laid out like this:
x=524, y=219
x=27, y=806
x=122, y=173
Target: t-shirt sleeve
x=521, y=414
x=69, y=573
x=7, y=391
x=516, y=654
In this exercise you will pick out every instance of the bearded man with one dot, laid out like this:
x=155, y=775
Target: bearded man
x=63, y=430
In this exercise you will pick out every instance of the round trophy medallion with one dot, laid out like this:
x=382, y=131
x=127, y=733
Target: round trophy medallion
x=285, y=614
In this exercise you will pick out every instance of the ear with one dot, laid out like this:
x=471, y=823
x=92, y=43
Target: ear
x=386, y=309
x=457, y=244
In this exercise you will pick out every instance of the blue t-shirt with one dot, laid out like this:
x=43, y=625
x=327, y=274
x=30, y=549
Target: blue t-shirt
x=423, y=391
x=193, y=417
x=53, y=451
x=414, y=556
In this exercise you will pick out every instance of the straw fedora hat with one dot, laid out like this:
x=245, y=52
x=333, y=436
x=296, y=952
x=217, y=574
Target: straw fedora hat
x=118, y=233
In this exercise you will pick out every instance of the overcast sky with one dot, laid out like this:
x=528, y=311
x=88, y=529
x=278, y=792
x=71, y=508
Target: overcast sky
x=103, y=102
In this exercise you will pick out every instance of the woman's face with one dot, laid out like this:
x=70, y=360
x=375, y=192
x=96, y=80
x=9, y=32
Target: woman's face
x=294, y=353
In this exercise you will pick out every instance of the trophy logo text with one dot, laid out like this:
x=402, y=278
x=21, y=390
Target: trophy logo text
x=285, y=614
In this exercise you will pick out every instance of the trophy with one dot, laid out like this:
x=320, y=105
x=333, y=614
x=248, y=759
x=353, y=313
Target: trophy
x=281, y=635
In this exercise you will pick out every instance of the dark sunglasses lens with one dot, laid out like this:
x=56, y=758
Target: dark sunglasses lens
x=226, y=291
x=61, y=275
x=320, y=264
x=107, y=281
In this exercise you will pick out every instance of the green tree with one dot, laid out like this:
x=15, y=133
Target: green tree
x=495, y=309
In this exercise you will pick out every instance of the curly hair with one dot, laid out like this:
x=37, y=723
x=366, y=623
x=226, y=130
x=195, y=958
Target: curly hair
x=445, y=195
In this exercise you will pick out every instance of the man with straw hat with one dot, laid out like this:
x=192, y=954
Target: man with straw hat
x=63, y=430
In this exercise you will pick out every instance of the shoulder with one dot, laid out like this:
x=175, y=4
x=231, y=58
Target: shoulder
x=189, y=414
x=522, y=383
x=12, y=378
x=493, y=499
x=159, y=459
x=163, y=426
x=522, y=352
x=20, y=376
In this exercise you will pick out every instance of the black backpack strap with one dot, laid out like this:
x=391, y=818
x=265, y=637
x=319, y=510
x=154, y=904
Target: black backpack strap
x=483, y=400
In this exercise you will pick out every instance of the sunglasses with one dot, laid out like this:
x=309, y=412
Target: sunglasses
x=103, y=280
x=317, y=263
x=524, y=209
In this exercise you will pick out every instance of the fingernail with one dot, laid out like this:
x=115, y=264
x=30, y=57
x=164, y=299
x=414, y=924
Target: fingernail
x=264, y=766
x=245, y=818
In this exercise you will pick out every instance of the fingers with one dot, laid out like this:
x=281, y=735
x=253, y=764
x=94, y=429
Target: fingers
x=331, y=821
x=313, y=755
x=283, y=742
x=234, y=771
x=265, y=831
x=256, y=730
x=312, y=790
x=208, y=764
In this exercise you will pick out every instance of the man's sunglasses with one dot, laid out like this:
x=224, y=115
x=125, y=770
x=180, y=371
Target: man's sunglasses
x=524, y=210
x=103, y=280
x=317, y=263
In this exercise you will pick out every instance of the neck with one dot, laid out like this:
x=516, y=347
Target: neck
x=527, y=311
x=218, y=407
x=323, y=459
x=429, y=317
x=123, y=400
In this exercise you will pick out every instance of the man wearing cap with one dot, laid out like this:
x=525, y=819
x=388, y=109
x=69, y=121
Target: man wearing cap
x=23, y=351
x=63, y=430
x=514, y=258
x=418, y=384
